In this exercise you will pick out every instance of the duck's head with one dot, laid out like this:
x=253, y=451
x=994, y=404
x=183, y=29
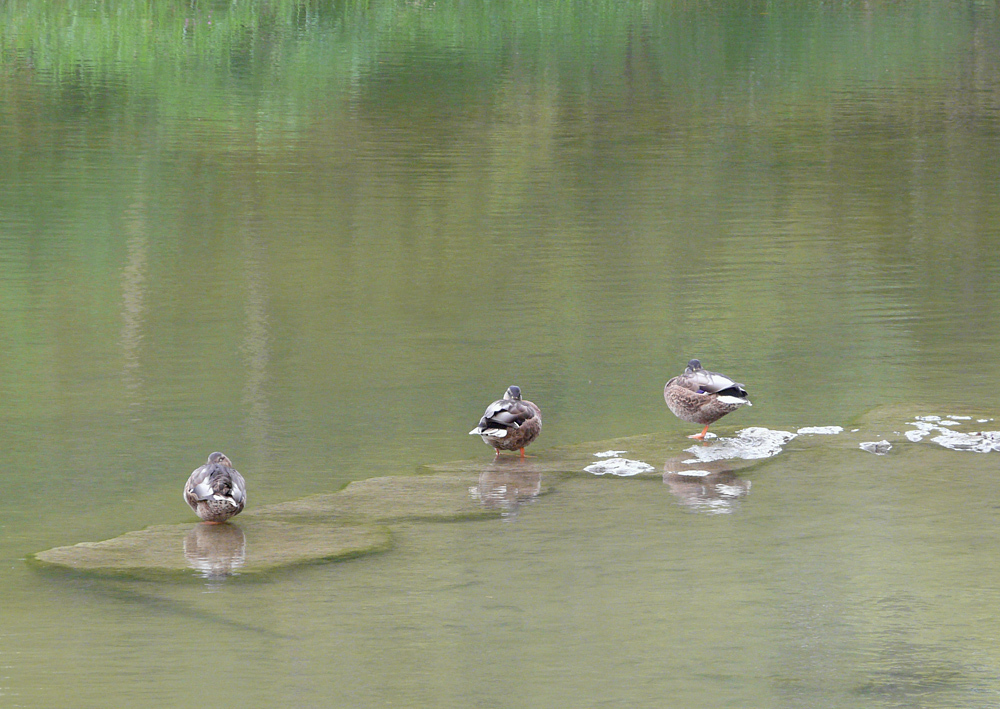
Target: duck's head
x=513, y=393
x=694, y=365
x=218, y=457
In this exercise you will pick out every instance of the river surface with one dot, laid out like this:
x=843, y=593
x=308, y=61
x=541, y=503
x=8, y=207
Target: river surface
x=322, y=237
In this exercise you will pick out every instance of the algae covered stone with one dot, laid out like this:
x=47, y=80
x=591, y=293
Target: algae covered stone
x=252, y=547
x=433, y=497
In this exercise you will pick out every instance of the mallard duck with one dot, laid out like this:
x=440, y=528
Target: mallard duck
x=215, y=491
x=509, y=423
x=700, y=396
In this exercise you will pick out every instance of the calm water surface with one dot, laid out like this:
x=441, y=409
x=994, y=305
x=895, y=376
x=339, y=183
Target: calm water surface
x=323, y=236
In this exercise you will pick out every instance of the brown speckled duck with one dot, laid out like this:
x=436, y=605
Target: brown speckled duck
x=700, y=396
x=510, y=423
x=215, y=491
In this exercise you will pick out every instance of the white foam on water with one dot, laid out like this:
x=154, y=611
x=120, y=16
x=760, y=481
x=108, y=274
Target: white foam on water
x=877, y=447
x=978, y=442
x=622, y=467
x=749, y=444
x=975, y=441
x=692, y=473
x=820, y=430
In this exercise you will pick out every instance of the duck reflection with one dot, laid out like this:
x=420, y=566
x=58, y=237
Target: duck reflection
x=709, y=487
x=215, y=551
x=506, y=487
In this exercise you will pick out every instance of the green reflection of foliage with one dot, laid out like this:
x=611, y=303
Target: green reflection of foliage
x=449, y=135
x=309, y=48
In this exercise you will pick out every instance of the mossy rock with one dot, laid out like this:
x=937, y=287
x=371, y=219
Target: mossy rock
x=249, y=547
x=554, y=461
x=434, y=497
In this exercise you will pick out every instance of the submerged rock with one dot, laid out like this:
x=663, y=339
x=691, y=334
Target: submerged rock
x=388, y=499
x=348, y=523
x=318, y=528
x=252, y=547
x=436, y=497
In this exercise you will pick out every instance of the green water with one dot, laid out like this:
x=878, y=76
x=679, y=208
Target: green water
x=321, y=237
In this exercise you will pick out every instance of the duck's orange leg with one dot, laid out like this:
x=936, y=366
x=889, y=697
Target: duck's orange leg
x=701, y=436
x=522, y=452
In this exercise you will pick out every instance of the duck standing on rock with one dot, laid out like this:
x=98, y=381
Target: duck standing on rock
x=509, y=423
x=215, y=491
x=700, y=396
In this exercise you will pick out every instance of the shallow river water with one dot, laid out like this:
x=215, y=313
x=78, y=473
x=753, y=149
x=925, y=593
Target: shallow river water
x=322, y=237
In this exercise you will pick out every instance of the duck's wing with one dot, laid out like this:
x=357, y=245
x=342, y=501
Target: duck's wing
x=503, y=414
x=508, y=413
x=238, y=486
x=215, y=481
x=198, y=486
x=702, y=380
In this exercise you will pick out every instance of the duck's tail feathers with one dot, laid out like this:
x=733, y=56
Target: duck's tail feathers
x=492, y=432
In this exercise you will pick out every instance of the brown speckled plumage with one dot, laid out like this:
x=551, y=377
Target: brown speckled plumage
x=510, y=423
x=216, y=491
x=700, y=396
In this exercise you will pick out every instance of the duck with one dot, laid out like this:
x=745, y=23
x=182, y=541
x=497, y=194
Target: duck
x=704, y=397
x=216, y=491
x=510, y=423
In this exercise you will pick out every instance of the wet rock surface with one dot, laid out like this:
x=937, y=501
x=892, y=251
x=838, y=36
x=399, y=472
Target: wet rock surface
x=213, y=551
x=710, y=476
x=432, y=497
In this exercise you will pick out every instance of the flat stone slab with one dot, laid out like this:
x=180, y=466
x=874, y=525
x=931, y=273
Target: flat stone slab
x=706, y=476
x=325, y=527
x=439, y=497
x=253, y=546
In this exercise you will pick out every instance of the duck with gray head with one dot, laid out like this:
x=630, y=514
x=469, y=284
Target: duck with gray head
x=216, y=491
x=510, y=423
x=704, y=397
